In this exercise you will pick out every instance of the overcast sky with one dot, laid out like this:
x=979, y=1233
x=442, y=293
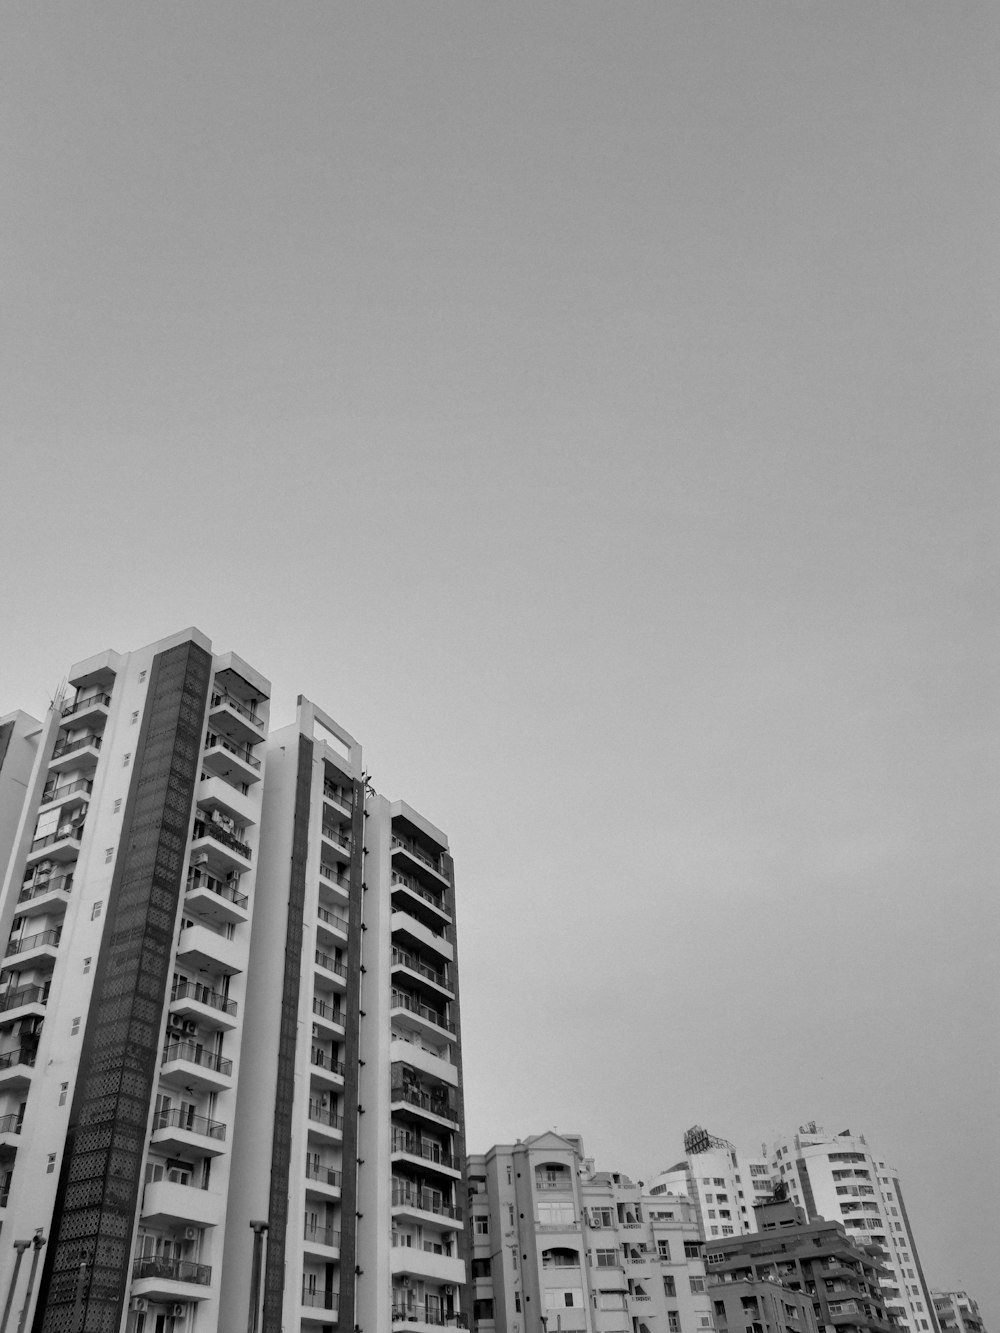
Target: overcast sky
x=593, y=408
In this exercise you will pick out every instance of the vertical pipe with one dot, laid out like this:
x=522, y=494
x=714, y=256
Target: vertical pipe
x=20, y=1246
x=259, y=1229
x=37, y=1241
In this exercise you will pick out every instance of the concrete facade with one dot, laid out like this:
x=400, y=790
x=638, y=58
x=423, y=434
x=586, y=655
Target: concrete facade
x=228, y=994
x=957, y=1312
x=558, y=1245
x=723, y=1183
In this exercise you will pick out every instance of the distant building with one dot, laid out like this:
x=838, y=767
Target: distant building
x=723, y=1184
x=558, y=1245
x=957, y=1312
x=770, y=1277
x=839, y=1177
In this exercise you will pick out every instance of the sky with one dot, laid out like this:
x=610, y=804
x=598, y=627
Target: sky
x=593, y=407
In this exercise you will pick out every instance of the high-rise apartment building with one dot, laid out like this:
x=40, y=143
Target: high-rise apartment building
x=957, y=1312
x=838, y=1176
x=723, y=1184
x=558, y=1245
x=228, y=996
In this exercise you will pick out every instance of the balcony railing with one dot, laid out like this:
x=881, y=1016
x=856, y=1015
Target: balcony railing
x=333, y=834
x=70, y=832
x=78, y=705
x=220, y=697
x=334, y=919
x=322, y=1115
x=194, y=990
x=339, y=795
x=68, y=747
x=331, y=963
x=333, y=1012
x=430, y=1152
x=437, y=1105
x=27, y=942
x=324, y=1174
x=175, y=1270
x=177, y=1118
x=10, y=1124
x=408, y=882
x=20, y=1055
x=60, y=883
x=208, y=828
x=417, y=852
x=321, y=1235
x=197, y=1055
x=402, y=959
x=420, y=1313
x=242, y=752
x=323, y=1061
x=319, y=1300
x=197, y=879
x=428, y=1201
x=13, y=999
x=334, y=874
x=67, y=789
x=403, y=1000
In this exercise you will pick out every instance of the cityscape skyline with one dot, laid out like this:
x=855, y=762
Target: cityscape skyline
x=596, y=406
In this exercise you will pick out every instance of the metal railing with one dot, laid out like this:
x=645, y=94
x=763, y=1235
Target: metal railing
x=334, y=874
x=71, y=833
x=428, y=1152
x=207, y=828
x=175, y=1270
x=319, y=1300
x=331, y=963
x=441, y=1106
x=404, y=1000
x=333, y=1012
x=10, y=1124
x=27, y=942
x=420, y=1312
x=67, y=789
x=401, y=958
x=68, y=747
x=78, y=705
x=197, y=1055
x=418, y=853
x=333, y=834
x=334, y=919
x=428, y=1201
x=323, y=1061
x=408, y=882
x=338, y=795
x=194, y=990
x=324, y=1174
x=220, y=697
x=13, y=999
x=60, y=884
x=177, y=1118
x=242, y=752
x=199, y=880
x=322, y=1115
x=321, y=1235
x=20, y=1055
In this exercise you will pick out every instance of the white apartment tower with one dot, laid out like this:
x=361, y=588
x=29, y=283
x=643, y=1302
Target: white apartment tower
x=840, y=1178
x=724, y=1184
x=228, y=995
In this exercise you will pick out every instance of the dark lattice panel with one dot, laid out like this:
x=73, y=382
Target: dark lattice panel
x=101, y=1172
x=281, y=1140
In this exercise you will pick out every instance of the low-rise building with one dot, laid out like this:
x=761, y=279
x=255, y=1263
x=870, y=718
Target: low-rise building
x=957, y=1312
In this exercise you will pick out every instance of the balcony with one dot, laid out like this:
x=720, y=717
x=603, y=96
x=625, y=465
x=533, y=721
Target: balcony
x=439, y=1105
x=93, y=710
x=320, y=1238
x=210, y=1007
x=29, y=949
x=214, y=899
x=428, y=1262
x=326, y=1068
x=325, y=1121
x=323, y=1181
x=179, y=1131
x=16, y=1066
x=409, y=1198
x=166, y=1203
x=189, y=1062
x=408, y=1011
x=40, y=897
x=234, y=719
x=420, y=972
x=206, y=950
x=80, y=753
x=339, y=796
x=336, y=967
x=419, y=1317
x=70, y=794
x=410, y=896
x=217, y=796
x=407, y=930
x=334, y=883
x=63, y=845
x=10, y=1128
x=23, y=1001
x=222, y=849
x=332, y=922
x=329, y=1013
x=320, y=1300
x=225, y=759
x=415, y=852
x=161, y=1279
x=425, y=1152
x=339, y=838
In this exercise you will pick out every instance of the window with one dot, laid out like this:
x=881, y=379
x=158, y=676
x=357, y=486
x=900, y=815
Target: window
x=611, y=1300
x=96, y=910
x=50, y=1165
x=711, y=1213
x=117, y=805
x=135, y=717
x=605, y=1258
x=86, y=965
x=481, y=1225
x=718, y=1180
x=126, y=759
x=74, y=1027
x=142, y=676
x=697, y=1284
x=673, y=1321
x=669, y=1286
x=63, y=1090
x=601, y=1217
x=663, y=1249
x=692, y=1249
x=555, y=1214
x=109, y=854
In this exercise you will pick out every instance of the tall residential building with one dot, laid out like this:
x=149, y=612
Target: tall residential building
x=558, y=1245
x=788, y=1258
x=228, y=996
x=837, y=1176
x=723, y=1184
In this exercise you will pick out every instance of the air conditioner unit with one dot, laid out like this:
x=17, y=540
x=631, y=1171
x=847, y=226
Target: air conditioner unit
x=178, y=1310
x=200, y=859
x=404, y=1281
x=448, y=1289
x=190, y=1233
x=189, y=1025
x=139, y=1304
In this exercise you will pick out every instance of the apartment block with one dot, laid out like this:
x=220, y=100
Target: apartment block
x=957, y=1312
x=723, y=1184
x=558, y=1245
x=229, y=1017
x=838, y=1176
x=771, y=1276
